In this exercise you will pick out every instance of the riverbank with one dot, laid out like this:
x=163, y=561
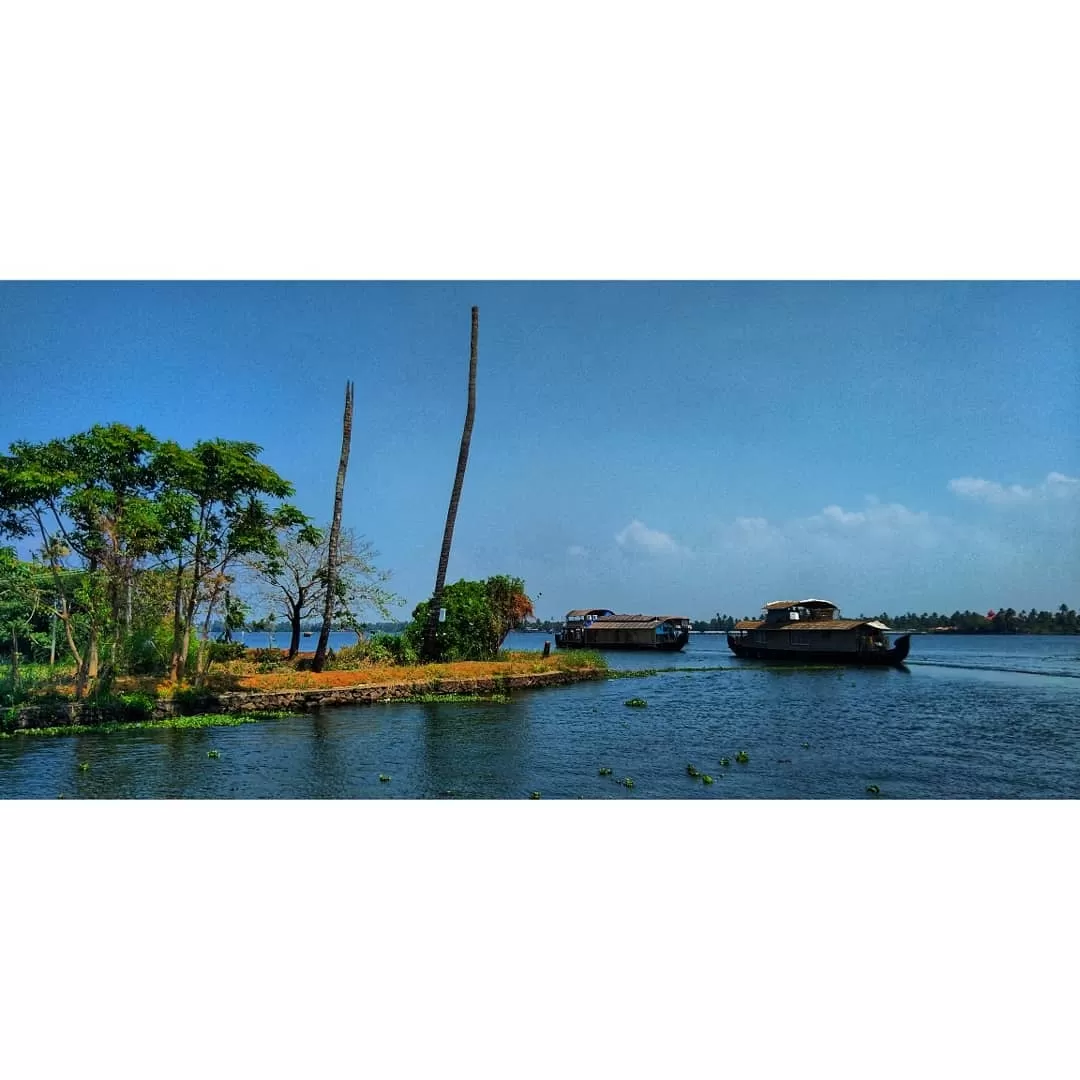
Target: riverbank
x=289, y=700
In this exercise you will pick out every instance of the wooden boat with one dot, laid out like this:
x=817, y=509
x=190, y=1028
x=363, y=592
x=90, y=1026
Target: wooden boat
x=810, y=632
x=599, y=628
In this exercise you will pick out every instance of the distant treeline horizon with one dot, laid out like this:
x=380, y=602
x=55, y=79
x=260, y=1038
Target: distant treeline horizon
x=1004, y=620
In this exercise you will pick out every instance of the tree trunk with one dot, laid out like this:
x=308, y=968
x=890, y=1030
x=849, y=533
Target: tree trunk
x=14, y=665
x=335, y=533
x=294, y=619
x=430, y=645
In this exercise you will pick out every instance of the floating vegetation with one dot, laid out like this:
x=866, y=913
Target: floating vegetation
x=627, y=782
x=636, y=703
x=691, y=770
x=742, y=757
x=604, y=770
x=806, y=746
x=84, y=765
x=873, y=789
x=203, y=720
x=534, y=794
x=440, y=699
x=725, y=762
x=383, y=778
x=706, y=778
x=213, y=753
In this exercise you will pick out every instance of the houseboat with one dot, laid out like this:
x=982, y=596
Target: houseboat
x=811, y=632
x=599, y=628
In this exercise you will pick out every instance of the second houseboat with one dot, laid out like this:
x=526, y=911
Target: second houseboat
x=600, y=628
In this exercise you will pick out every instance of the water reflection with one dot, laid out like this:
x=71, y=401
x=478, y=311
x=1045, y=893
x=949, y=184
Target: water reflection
x=474, y=750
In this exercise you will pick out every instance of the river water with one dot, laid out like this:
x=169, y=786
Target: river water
x=970, y=717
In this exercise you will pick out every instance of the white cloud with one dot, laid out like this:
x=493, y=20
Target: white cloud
x=638, y=537
x=1055, y=486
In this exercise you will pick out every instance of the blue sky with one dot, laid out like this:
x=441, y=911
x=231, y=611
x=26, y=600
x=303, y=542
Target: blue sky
x=678, y=447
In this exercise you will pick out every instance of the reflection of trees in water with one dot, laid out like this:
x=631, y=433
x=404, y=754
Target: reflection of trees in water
x=474, y=749
x=329, y=774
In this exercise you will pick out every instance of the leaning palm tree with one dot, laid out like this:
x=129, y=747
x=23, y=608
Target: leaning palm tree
x=319, y=661
x=430, y=646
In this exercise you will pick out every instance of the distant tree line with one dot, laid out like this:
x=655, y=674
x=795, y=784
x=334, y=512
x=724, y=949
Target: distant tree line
x=1002, y=620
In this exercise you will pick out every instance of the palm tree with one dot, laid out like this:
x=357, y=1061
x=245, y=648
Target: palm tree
x=430, y=649
x=319, y=660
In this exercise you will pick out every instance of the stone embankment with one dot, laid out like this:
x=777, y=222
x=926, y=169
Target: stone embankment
x=300, y=700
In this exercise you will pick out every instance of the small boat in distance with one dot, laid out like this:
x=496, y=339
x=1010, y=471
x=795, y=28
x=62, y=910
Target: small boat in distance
x=810, y=632
x=599, y=628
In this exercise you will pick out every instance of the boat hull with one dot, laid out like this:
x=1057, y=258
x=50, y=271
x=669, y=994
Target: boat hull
x=675, y=645
x=884, y=658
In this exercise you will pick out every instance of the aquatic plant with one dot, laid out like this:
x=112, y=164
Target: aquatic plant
x=84, y=765
x=806, y=746
x=725, y=762
x=604, y=771
x=636, y=703
x=534, y=794
x=213, y=753
x=691, y=770
x=383, y=778
x=742, y=757
x=706, y=778
x=627, y=782
x=873, y=789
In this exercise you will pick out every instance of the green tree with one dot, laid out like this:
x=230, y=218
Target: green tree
x=90, y=497
x=479, y=614
x=214, y=512
x=20, y=599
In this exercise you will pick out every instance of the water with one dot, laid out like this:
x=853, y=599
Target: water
x=971, y=717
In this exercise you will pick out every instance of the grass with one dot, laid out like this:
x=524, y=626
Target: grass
x=38, y=681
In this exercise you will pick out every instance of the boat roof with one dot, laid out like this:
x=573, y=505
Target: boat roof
x=815, y=624
x=580, y=612
x=636, y=622
x=777, y=605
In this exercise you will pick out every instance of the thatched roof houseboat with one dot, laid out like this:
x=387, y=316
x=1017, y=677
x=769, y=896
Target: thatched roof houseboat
x=601, y=628
x=810, y=631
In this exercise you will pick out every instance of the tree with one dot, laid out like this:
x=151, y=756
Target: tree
x=479, y=614
x=510, y=606
x=296, y=576
x=319, y=661
x=19, y=600
x=430, y=643
x=215, y=512
x=90, y=496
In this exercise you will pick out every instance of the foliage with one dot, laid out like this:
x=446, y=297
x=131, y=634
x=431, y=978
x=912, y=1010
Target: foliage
x=294, y=576
x=636, y=703
x=479, y=615
x=133, y=530
x=379, y=649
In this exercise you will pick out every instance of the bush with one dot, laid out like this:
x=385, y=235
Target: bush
x=221, y=652
x=379, y=649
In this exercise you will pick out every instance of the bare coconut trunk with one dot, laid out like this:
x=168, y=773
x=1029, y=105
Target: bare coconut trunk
x=319, y=660
x=430, y=647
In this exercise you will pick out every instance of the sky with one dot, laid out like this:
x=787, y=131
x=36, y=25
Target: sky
x=669, y=447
